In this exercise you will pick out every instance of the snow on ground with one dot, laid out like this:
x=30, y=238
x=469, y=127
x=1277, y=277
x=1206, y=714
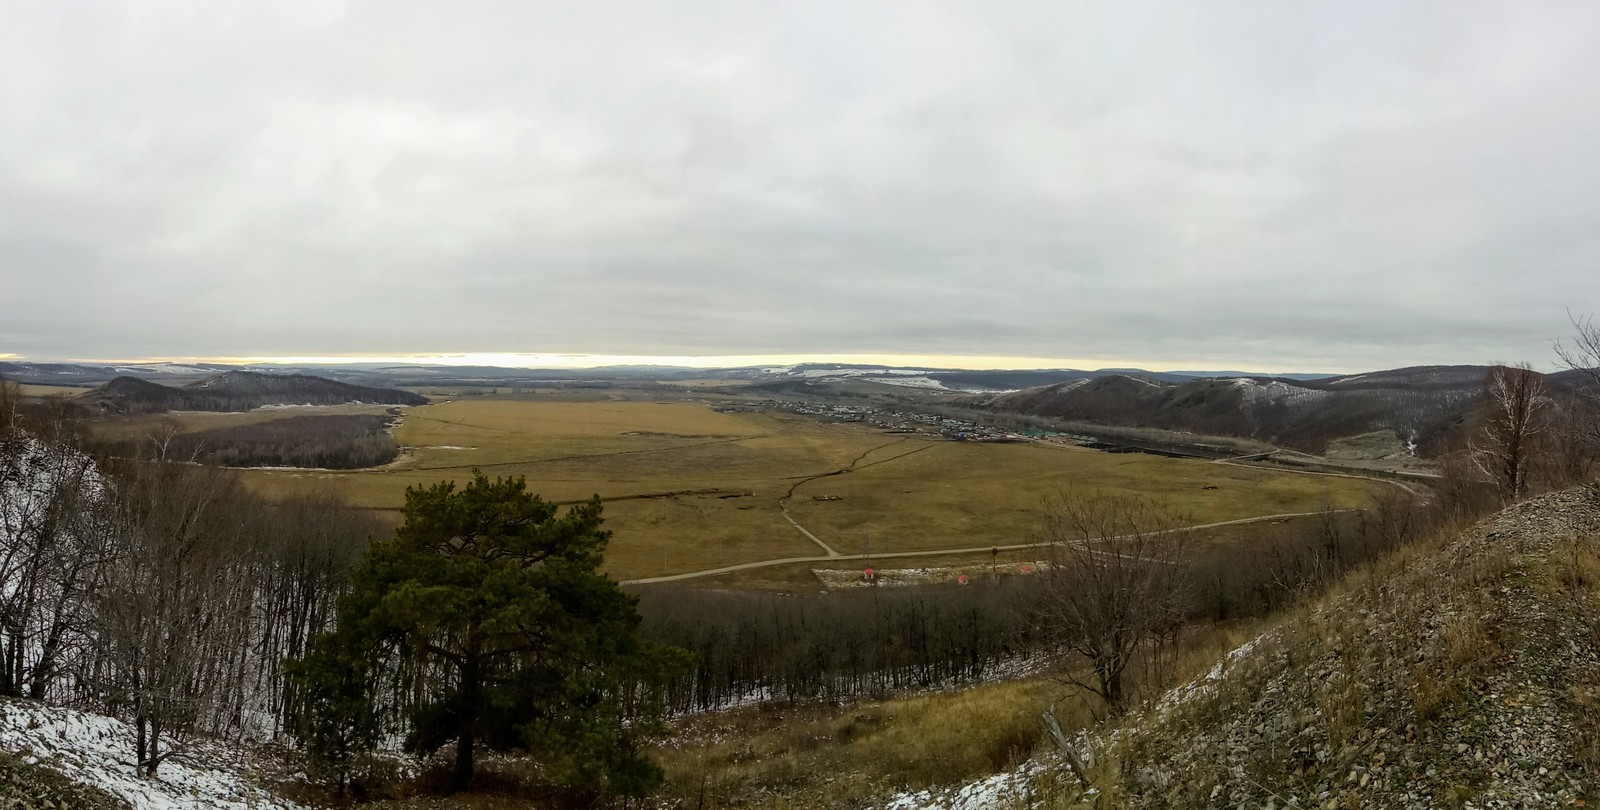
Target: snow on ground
x=96, y=750
x=310, y=406
x=1274, y=391
x=1009, y=789
x=29, y=481
x=161, y=368
x=874, y=371
x=1205, y=683
x=909, y=382
x=1138, y=380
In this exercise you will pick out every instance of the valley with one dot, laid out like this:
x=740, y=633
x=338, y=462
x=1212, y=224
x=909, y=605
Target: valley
x=848, y=558
x=688, y=488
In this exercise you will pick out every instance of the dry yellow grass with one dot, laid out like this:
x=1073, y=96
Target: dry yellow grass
x=731, y=471
x=828, y=756
x=49, y=390
x=960, y=494
x=501, y=430
x=836, y=756
x=158, y=424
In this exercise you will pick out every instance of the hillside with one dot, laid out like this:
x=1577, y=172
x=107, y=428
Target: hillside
x=55, y=757
x=1465, y=674
x=1417, y=404
x=236, y=391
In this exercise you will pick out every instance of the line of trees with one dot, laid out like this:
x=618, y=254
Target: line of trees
x=1116, y=558
x=163, y=594
x=168, y=595
x=339, y=442
x=848, y=644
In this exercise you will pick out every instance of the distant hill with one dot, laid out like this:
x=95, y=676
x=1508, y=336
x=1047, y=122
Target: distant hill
x=1419, y=404
x=236, y=391
x=88, y=374
x=388, y=375
x=1289, y=376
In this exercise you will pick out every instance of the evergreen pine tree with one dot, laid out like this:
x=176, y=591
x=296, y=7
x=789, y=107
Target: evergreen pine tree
x=517, y=640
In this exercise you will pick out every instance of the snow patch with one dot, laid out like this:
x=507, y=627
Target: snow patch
x=96, y=750
x=1205, y=683
x=1274, y=391
x=909, y=381
x=1011, y=788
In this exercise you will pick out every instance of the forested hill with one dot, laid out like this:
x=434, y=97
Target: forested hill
x=237, y=391
x=1422, y=405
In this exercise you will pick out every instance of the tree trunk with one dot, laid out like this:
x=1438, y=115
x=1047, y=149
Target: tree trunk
x=463, y=774
x=140, y=745
x=469, y=723
x=155, y=747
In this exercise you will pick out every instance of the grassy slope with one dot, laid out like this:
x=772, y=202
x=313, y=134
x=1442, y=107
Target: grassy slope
x=1462, y=674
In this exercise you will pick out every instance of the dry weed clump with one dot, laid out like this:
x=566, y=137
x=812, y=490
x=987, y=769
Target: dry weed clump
x=827, y=755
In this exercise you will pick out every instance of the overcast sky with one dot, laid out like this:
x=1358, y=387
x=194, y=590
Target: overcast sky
x=1277, y=186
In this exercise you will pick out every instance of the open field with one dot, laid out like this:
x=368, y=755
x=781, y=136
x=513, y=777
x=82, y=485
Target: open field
x=689, y=489
x=496, y=431
x=964, y=492
x=50, y=390
x=158, y=424
x=796, y=577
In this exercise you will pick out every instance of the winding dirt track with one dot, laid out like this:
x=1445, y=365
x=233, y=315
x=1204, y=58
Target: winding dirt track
x=783, y=503
x=834, y=556
x=711, y=572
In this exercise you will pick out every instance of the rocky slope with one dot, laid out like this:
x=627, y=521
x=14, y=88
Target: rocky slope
x=1465, y=675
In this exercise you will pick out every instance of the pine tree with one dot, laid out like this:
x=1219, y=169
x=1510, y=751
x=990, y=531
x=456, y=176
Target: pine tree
x=520, y=643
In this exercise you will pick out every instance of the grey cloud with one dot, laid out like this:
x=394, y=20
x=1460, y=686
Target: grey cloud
x=1327, y=185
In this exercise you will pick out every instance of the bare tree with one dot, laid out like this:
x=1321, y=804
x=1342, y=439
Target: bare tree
x=175, y=601
x=55, y=527
x=1117, y=588
x=1582, y=356
x=1583, y=353
x=1516, y=415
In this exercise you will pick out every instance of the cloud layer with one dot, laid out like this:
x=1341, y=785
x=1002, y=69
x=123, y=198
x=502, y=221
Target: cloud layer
x=1308, y=185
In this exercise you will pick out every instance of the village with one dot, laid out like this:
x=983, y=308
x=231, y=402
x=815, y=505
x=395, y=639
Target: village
x=898, y=421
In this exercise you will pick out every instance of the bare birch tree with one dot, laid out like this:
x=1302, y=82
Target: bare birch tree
x=1516, y=411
